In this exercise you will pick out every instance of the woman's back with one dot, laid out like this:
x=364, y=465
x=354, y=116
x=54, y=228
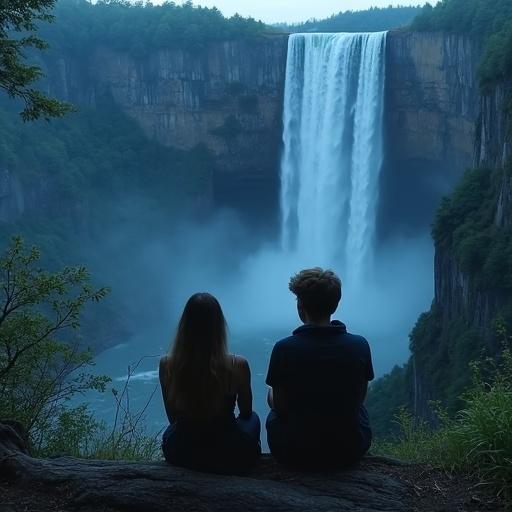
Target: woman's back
x=201, y=385
x=221, y=402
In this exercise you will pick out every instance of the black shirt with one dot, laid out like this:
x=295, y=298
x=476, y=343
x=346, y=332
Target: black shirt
x=324, y=371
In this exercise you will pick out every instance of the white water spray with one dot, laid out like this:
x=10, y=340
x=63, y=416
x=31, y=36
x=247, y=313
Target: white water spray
x=333, y=113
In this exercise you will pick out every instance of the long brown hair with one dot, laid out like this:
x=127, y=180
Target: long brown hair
x=199, y=368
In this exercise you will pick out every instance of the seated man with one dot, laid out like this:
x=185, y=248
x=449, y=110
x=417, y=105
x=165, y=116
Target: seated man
x=319, y=379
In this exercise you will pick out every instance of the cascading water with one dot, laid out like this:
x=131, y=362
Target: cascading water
x=333, y=114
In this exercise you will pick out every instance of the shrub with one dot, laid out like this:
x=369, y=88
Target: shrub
x=477, y=440
x=41, y=363
x=465, y=226
x=43, y=370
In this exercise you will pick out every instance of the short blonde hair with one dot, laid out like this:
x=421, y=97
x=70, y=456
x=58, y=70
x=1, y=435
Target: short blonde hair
x=318, y=291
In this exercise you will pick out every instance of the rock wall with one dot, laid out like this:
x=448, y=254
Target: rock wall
x=226, y=96
x=456, y=293
x=432, y=100
x=459, y=296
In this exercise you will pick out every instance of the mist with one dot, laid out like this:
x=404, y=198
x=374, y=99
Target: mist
x=155, y=276
x=252, y=285
x=250, y=279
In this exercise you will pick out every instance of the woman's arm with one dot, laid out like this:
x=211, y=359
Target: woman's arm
x=244, y=391
x=164, y=385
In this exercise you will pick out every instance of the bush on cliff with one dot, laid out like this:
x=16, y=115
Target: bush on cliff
x=441, y=348
x=41, y=363
x=443, y=352
x=465, y=227
x=477, y=440
x=19, y=23
x=44, y=367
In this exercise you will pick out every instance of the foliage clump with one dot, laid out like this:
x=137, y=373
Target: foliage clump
x=44, y=366
x=42, y=362
x=465, y=231
x=477, y=439
x=464, y=226
x=19, y=22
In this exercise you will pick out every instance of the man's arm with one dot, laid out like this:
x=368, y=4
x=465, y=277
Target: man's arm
x=276, y=400
x=276, y=397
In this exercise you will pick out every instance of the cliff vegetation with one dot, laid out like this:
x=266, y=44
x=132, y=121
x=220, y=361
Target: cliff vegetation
x=19, y=20
x=487, y=21
x=477, y=440
x=46, y=365
x=444, y=345
x=80, y=166
x=375, y=19
x=142, y=28
x=465, y=226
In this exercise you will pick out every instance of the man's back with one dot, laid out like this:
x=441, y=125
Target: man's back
x=323, y=370
x=318, y=379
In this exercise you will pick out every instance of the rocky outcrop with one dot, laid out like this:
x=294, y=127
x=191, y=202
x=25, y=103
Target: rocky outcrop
x=456, y=293
x=494, y=145
x=493, y=148
x=460, y=297
x=226, y=96
x=91, y=485
x=432, y=100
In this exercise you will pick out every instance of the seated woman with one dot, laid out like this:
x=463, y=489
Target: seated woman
x=201, y=384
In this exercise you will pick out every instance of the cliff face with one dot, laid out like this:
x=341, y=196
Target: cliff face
x=462, y=297
x=226, y=96
x=431, y=111
x=456, y=293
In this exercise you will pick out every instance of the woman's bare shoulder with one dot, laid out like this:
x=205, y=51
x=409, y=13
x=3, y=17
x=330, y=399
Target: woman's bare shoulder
x=241, y=363
x=165, y=362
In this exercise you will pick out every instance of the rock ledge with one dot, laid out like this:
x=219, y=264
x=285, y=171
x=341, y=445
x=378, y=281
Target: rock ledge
x=92, y=485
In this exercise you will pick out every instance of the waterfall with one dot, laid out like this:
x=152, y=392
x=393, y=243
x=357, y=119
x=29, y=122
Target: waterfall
x=333, y=113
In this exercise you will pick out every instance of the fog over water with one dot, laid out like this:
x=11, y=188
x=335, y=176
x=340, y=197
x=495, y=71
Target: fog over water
x=253, y=291
x=384, y=291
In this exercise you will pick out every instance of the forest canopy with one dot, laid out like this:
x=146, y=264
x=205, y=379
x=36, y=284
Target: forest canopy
x=139, y=28
x=374, y=19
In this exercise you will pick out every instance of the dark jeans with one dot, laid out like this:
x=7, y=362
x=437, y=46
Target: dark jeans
x=317, y=442
x=228, y=446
